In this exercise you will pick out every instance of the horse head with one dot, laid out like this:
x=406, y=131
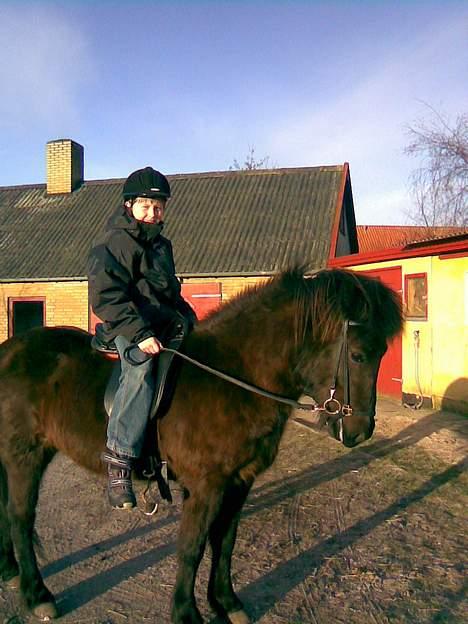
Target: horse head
x=346, y=321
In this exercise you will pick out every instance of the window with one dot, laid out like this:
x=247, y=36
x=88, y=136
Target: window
x=343, y=221
x=24, y=314
x=416, y=296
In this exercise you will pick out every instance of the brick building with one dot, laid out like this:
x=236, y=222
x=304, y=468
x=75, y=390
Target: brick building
x=229, y=230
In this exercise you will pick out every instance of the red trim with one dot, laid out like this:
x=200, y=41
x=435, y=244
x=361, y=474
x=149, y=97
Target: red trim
x=433, y=249
x=409, y=276
x=378, y=271
x=382, y=269
x=12, y=300
x=462, y=254
x=338, y=208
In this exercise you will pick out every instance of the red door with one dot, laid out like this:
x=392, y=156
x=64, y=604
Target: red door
x=203, y=297
x=390, y=380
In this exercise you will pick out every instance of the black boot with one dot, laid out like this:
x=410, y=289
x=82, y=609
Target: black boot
x=119, y=485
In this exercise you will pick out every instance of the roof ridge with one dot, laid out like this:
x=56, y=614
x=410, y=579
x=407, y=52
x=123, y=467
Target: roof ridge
x=428, y=227
x=272, y=170
x=199, y=174
x=415, y=227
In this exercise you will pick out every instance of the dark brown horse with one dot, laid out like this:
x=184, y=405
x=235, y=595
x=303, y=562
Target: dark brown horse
x=286, y=336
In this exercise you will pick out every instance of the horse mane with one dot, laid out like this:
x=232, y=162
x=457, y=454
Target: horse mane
x=339, y=295
x=322, y=301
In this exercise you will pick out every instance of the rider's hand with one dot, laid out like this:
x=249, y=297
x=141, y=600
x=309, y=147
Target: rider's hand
x=151, y=345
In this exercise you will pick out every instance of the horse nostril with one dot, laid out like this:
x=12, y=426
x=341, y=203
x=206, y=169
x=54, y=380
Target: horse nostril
x=353, y=440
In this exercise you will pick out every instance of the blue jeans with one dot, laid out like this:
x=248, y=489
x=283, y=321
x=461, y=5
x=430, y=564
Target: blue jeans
x=132, y=404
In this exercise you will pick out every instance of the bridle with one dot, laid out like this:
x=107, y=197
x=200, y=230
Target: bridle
x=331, y=408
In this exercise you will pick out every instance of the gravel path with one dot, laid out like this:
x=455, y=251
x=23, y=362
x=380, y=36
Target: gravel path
x=372, y=535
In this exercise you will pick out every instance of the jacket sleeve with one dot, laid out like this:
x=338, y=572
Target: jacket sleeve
x=109, y=289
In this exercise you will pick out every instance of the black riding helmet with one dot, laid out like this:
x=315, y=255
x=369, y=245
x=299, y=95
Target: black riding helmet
x=146, y=182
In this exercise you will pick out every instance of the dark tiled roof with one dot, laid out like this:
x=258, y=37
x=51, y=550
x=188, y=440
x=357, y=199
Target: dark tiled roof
x=227, y=222
x=376, y=237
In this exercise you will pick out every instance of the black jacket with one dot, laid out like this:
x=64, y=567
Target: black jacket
x=132, y=283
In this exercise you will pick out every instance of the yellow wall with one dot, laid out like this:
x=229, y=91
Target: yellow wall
x=66, y=302
x=443, y=338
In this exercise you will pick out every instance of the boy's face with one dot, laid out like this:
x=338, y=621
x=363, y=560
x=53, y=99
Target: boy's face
x=148, y=210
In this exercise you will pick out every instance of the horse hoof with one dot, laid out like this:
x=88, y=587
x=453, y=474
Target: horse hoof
x=45, y=611
x=13, y=583
x=238, y=617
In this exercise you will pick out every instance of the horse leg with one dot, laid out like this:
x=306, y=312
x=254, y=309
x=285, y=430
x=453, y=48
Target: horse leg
x=222, y=537
x=200, y=508
x=24, y=476
x=9, y=570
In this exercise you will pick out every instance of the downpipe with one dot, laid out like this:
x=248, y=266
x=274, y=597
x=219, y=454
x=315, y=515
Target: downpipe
x=419, y=397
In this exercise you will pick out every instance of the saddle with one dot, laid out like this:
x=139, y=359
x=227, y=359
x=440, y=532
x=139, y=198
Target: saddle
x=165, y=371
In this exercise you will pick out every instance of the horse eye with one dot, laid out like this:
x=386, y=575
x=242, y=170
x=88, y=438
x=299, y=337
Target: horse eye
x=357, y=357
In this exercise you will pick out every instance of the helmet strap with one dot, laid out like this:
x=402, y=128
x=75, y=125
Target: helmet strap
x=128, y=204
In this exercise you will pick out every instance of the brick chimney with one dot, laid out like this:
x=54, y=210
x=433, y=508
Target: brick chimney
x=65, y=166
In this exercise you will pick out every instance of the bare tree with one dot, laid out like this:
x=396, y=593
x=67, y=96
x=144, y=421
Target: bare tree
x=251, y=162
x=440, y=184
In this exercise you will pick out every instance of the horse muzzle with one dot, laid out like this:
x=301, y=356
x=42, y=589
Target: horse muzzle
x=353, y=430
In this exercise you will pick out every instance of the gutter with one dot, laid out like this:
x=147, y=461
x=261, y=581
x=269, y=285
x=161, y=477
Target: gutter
x=84, y=278
x=399, y=253
x=229, y=274
x=17, y=280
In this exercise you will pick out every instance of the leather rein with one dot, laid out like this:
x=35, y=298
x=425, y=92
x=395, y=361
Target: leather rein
x=334, y=410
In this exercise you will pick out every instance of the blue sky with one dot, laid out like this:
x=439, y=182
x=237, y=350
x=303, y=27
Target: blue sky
x=189, y=86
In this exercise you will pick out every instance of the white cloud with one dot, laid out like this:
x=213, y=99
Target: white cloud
x=45, y=60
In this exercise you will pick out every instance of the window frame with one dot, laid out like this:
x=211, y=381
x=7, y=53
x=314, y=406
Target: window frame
x=13, y=300
x=408, y=277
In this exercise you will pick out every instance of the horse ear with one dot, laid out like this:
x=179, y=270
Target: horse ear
x=352, y=297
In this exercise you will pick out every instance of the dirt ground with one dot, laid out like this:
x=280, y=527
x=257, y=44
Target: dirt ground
x=369, y=535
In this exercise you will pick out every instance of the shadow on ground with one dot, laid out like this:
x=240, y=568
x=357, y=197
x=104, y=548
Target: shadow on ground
x=264, y=591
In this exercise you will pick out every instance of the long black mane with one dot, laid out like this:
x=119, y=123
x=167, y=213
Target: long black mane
x=322, y=301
